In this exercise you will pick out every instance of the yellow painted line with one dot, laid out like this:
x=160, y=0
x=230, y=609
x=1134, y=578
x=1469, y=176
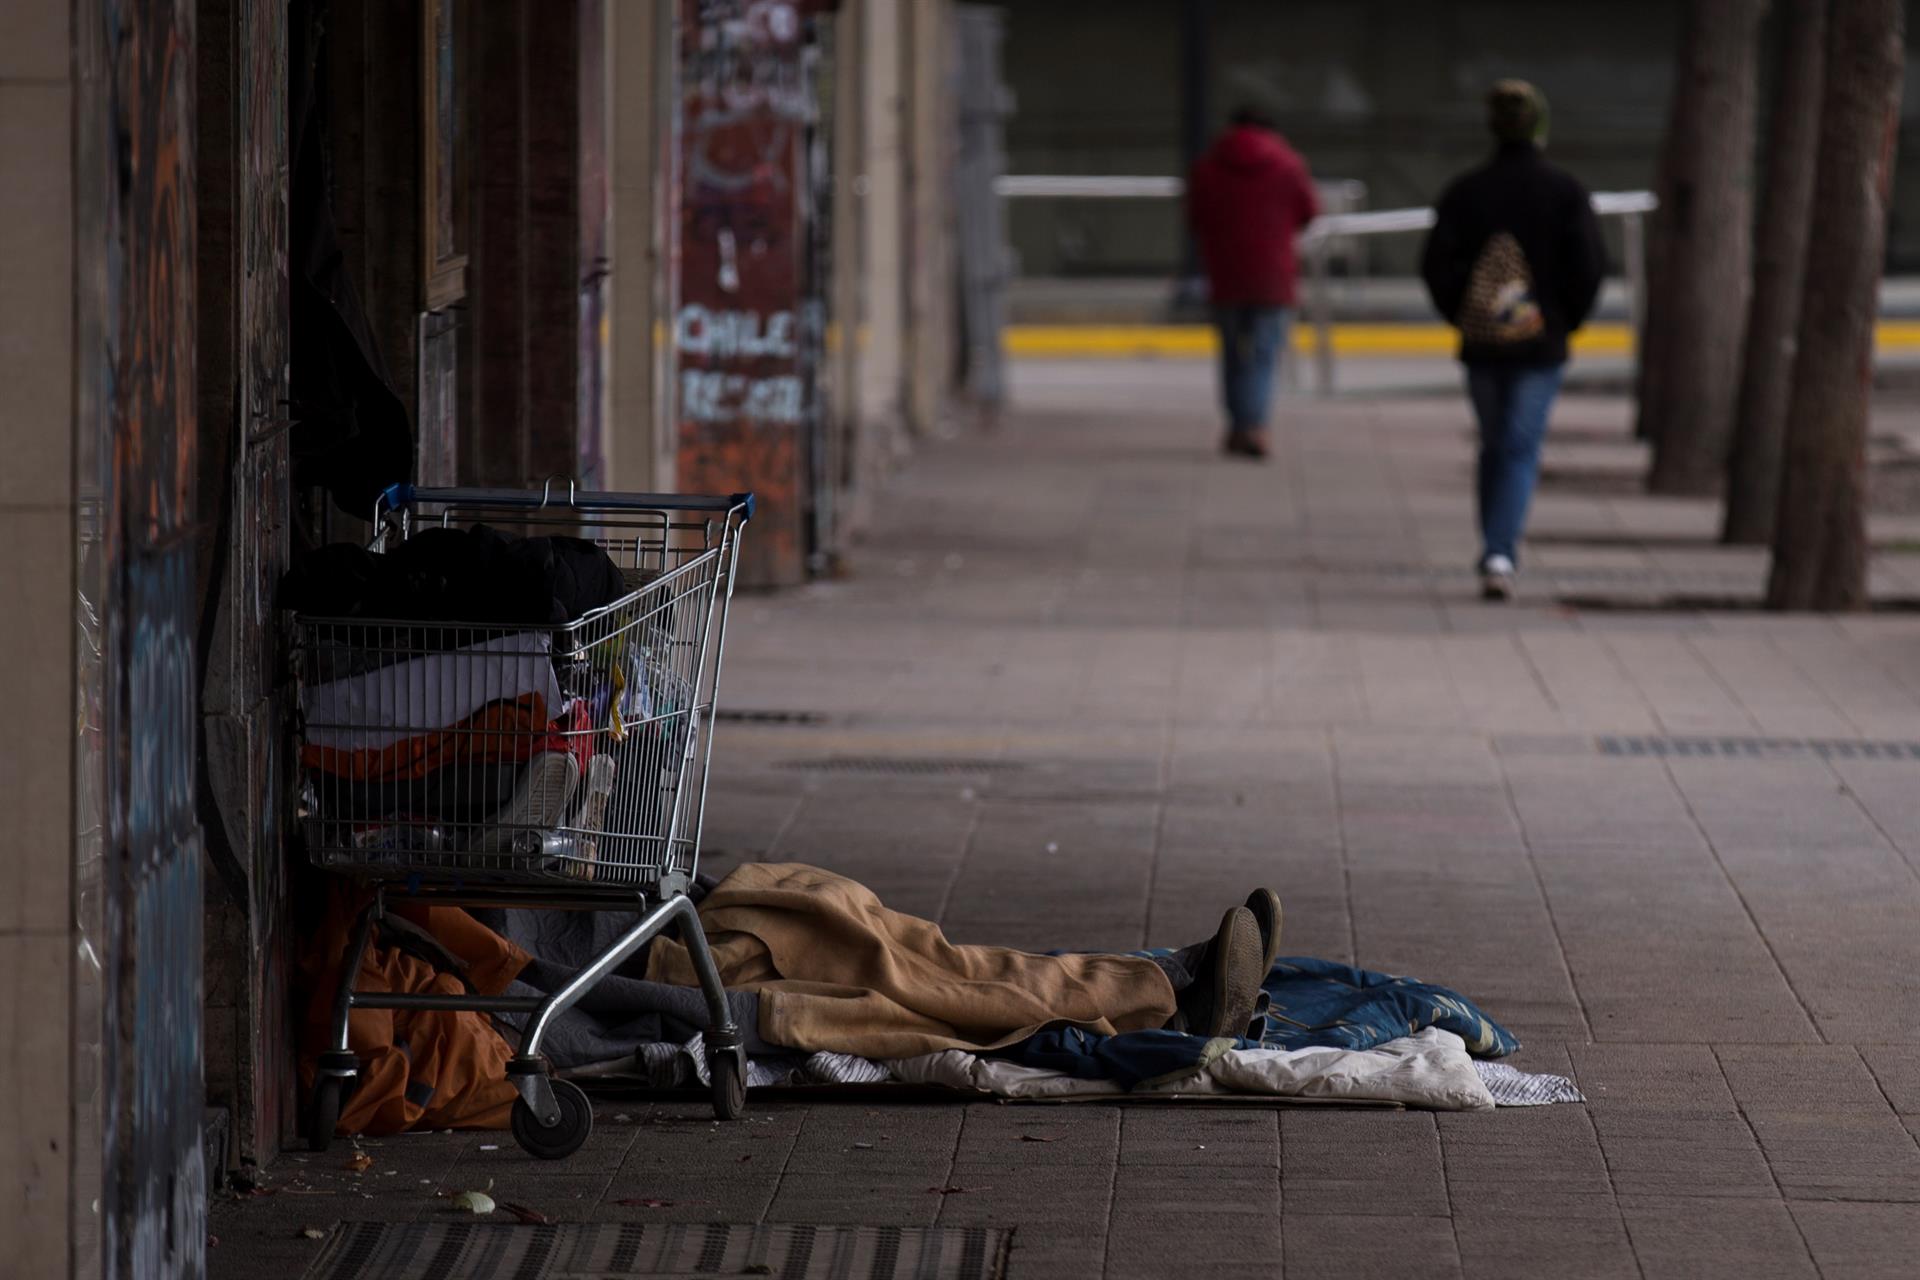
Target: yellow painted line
x=1178, y=341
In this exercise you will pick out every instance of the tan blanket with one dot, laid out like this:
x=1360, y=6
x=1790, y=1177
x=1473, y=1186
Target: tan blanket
x=837, y=971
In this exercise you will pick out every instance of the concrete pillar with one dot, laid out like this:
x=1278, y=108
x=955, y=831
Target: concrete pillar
x=241, y=185
x=745, y=339
x=552, y=268
x=37, y=635
x=593, y=381
x=846, y=290
x=523, y=419
x=643, y=283
x=928, y=242
x=879, y=393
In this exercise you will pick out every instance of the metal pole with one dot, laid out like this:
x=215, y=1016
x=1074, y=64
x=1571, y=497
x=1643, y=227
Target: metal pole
x=1320, y=301
x=1634, y=242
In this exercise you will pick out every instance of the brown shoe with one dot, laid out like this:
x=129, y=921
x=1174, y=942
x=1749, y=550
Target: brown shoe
x=1265, y=905
x=1221, y=998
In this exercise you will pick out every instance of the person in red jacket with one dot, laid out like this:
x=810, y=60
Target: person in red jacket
x=1247, y=198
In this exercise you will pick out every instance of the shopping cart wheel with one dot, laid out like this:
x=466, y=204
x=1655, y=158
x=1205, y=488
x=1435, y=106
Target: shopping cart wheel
x=323, y=1111
x=729, y=1087
x=565, y=1137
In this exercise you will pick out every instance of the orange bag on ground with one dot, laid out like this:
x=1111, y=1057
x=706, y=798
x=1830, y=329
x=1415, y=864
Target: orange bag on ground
x=427, y=1069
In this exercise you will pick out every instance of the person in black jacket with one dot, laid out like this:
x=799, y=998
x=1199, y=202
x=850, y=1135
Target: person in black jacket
x=1514, y=261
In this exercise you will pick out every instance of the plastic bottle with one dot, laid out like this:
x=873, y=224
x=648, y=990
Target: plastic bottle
x=593, y=813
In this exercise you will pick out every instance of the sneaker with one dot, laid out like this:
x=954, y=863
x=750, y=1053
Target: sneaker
x=1496, y=578
x=539, y=803
x=1221, y=998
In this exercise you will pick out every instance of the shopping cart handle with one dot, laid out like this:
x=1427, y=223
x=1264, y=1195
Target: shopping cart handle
x=535, y=499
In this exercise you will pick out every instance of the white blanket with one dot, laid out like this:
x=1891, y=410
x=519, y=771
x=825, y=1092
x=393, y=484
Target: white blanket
x=435, y=691
x=1430, y=1070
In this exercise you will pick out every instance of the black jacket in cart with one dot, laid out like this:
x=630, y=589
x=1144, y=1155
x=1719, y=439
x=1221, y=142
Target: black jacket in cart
x=1515, y=258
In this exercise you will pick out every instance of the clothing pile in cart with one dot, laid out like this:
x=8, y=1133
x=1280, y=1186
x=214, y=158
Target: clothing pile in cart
x=446, y=717
x=833, y=988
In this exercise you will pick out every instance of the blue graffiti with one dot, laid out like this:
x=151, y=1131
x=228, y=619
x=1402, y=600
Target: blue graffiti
x=168, y=1094
x=162, y=710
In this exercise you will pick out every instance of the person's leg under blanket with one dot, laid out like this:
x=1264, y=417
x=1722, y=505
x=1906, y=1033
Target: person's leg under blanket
x=838, y=971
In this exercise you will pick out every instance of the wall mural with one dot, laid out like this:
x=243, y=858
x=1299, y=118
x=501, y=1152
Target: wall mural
x=139, y=879
x=747, y=363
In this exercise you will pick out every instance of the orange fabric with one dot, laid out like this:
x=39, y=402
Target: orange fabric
x=418, y=1069
x=498, y=733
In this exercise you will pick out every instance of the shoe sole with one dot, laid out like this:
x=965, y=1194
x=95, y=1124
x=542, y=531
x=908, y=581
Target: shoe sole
x=1237, y=974
x=539, y=802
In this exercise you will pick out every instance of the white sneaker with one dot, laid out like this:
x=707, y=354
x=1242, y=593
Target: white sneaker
x=1496, y=578
x=538, y=804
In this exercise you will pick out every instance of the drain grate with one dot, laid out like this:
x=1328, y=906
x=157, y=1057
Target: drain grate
x=1760, y=748
x=1597, y=482
x=735, y=715
x=1558, y=577
x=569, y=1250
x=1703, y=603
x=908, y=765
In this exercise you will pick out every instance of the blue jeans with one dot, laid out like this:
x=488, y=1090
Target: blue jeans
x=1512, y=403
x=1251, y=339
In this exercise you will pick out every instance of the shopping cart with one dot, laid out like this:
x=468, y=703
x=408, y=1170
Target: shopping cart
x=559, y=767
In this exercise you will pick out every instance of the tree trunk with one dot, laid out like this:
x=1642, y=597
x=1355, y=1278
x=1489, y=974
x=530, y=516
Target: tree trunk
x=1820, y=545
x=1707, y=246
x=1779, y=270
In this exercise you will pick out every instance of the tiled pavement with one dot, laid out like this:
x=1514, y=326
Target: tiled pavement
x=1140, y=679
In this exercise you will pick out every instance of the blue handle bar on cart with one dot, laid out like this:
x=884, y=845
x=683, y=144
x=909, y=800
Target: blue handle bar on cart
x=401, y=495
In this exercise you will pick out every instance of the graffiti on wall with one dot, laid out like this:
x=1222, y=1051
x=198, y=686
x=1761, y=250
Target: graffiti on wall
x=745, y=364
x=160, y=1172
x=140, y=899
x=154, y=1094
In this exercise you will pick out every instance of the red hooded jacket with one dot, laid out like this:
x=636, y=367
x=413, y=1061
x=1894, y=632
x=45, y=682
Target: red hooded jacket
x=1247, y=198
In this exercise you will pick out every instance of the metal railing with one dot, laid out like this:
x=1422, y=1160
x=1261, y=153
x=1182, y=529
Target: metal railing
x=1325, y=238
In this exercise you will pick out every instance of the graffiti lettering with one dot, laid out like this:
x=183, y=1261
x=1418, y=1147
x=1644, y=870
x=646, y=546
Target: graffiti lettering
x=161, y=716
x=742, y=63
x=734, y=334
x=709, y=397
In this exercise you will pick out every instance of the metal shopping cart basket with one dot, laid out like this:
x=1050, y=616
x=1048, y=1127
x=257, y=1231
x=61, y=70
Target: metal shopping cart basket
x=558, y=767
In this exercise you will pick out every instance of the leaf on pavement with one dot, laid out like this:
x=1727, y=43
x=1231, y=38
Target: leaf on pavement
x=474, y=1202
